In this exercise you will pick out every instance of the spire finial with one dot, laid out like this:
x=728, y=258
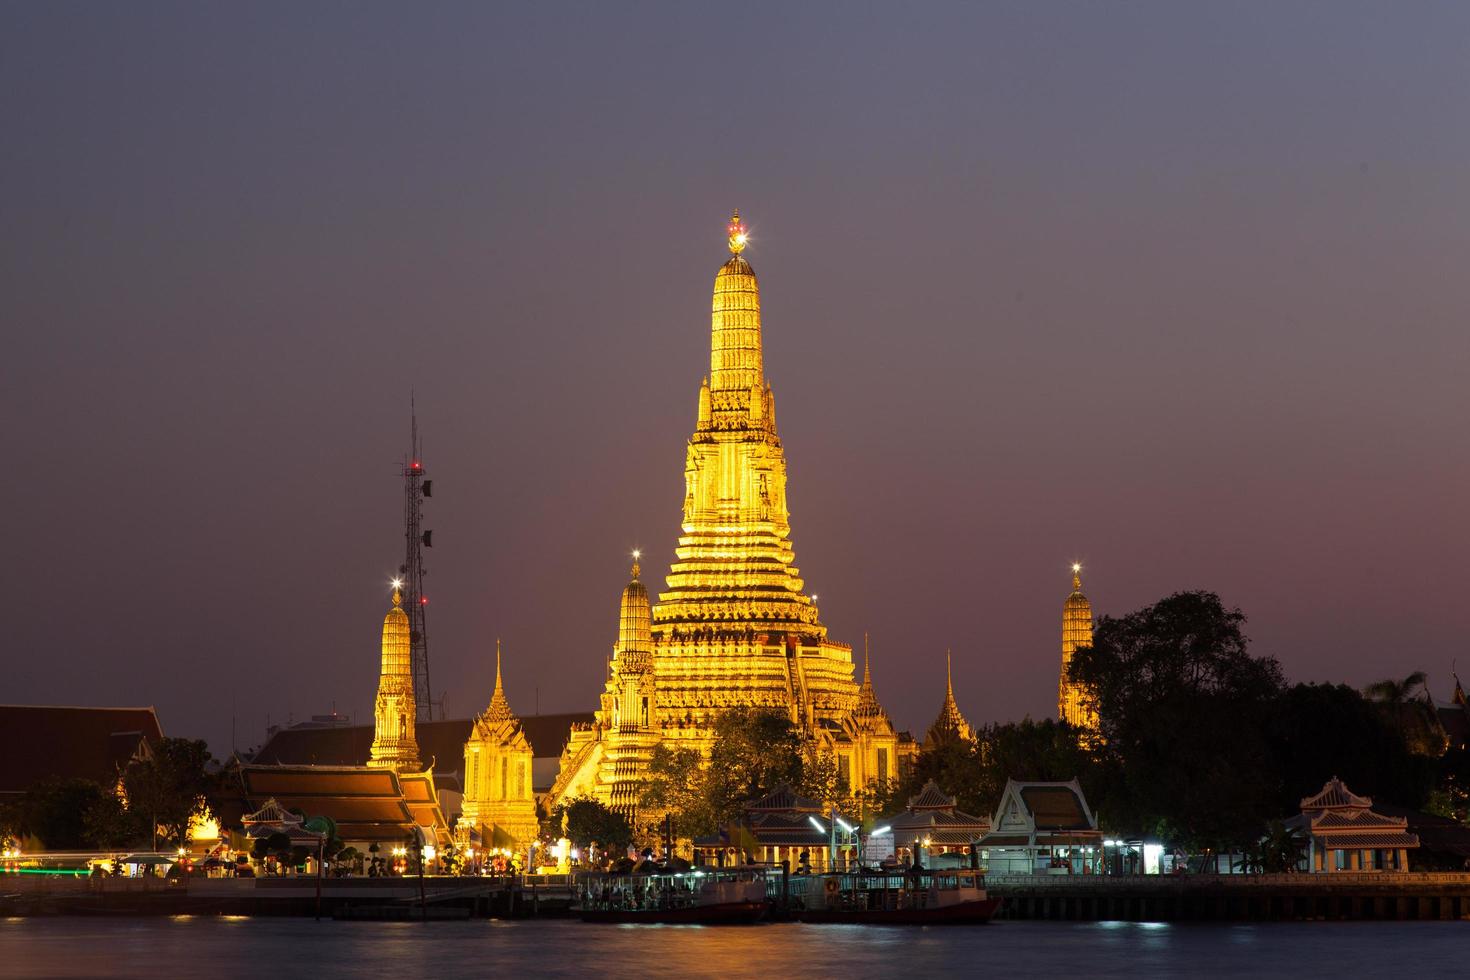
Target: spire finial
x=498, y=686
x=636, y=555
x=948, y=676
x=397, y=593
x=1076, y=576
x=737, y=233
x=867, y=676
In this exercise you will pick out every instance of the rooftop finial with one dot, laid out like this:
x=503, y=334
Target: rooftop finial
x=1076, y=576
x=948, y=677
x=737, y=233
x=498, y=687
x=636, y=555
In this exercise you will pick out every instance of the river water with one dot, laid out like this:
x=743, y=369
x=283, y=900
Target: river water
x=238, y=947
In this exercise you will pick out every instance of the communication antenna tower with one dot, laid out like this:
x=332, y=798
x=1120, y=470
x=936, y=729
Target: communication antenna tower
x=416, y=486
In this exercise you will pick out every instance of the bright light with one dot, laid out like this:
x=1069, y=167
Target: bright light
x=637, y=554
x=880, y=831
x=843, y=824
x=397, y=583
x=1076, y=567
x=815, y=597
x=741, y=238
x=429, y=852
x=817, y=824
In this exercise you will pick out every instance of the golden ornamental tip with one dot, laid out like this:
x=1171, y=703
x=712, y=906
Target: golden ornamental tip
x=737, y=232
x=397, y=596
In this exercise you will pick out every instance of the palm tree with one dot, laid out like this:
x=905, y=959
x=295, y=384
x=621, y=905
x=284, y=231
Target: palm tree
x=1397, y=692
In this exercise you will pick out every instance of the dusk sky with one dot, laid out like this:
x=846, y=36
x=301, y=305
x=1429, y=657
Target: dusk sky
x=1181, y=291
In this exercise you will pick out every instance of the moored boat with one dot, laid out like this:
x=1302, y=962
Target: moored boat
x=914, y=897
x=702, y=896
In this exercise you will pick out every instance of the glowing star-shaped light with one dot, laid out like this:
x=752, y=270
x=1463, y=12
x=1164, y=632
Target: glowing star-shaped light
x=397, y=584
x=738, y=234
x=1076, y=567
x=637, y=554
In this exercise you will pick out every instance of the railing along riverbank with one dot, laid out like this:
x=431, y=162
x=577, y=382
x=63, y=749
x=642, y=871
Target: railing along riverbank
x=1201, y=898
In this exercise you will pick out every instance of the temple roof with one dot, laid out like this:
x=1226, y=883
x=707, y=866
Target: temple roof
x=950, y=724
x=787, y=799
x=868, y=705
x=1335, y=794
x=67, y=742
x=499, y=709
x=931, y=797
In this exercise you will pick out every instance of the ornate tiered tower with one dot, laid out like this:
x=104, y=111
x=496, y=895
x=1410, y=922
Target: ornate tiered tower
x=630, y=714
x=395, y=745
x=499, y=806
x=951, y=725
x=1076, y=632
x=734, y=626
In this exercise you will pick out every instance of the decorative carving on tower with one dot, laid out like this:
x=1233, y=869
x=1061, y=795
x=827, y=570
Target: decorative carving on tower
x=395, y=741
x=1072, y=699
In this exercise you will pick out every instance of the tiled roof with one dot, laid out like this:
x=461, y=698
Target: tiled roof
x=1055, y=806
x=931, y=797
x=68, y=742
x=1335, y=794
x=786, y=798
x=1370, y=839
x=366, y=804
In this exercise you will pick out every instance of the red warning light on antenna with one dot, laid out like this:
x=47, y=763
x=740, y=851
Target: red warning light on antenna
x=417, y=465
x=423, y=600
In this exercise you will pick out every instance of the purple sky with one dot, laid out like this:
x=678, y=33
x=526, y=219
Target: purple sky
x=1179, y=290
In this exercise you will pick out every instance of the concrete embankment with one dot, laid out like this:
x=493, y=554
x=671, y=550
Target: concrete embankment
x=1206, y=898
x=22, y=895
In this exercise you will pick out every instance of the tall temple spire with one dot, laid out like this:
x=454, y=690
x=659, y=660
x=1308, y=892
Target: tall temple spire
x=951, y=724
x=499, y=709
x=395, y=742
x=1072, y=706
x=868, y=706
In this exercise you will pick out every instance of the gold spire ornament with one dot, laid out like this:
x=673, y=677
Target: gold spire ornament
x=738, y=234
x=951, y=725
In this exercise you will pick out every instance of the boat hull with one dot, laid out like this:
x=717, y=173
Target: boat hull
x=721, y=914
x=963, y=913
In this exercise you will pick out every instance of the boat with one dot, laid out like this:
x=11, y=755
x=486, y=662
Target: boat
x=701, y=896
x=900, y=897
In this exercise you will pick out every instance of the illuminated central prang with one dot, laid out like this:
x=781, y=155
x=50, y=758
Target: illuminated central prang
x=734, y=625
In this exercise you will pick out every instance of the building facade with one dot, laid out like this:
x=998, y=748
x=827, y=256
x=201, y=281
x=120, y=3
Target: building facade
x=499, y=804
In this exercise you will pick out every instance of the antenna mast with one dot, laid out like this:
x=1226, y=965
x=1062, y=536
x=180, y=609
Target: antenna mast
x=416, y=539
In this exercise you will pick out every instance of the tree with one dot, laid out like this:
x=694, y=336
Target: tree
x=1182, y=709
x=1392, y=691
x=54, y=810
x=171, y=787
x=585, y=821
x=675, y=785
x=1413, y=716
x=1318, y=731
x=108, y=824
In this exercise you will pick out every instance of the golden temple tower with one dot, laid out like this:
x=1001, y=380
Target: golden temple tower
x=630, y=714
x=1076, y=632
x=733, y=626
x=499, y=806
x=395, y=744
x=951, y=725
